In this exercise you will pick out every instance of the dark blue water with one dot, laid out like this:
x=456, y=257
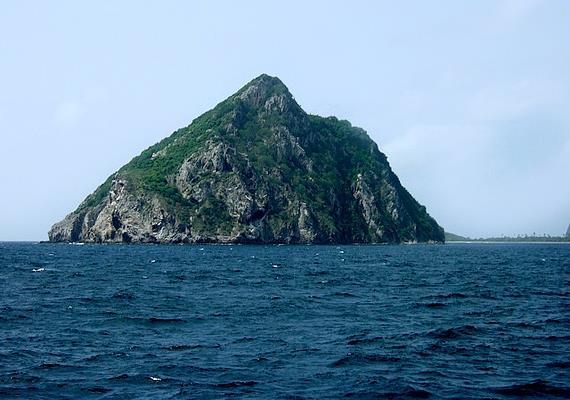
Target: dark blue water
x=453, y=321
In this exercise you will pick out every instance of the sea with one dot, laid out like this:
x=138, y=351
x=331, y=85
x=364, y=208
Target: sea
x=454, y=321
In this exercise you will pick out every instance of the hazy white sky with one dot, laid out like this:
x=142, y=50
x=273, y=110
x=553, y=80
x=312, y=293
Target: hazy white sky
x=469, y=100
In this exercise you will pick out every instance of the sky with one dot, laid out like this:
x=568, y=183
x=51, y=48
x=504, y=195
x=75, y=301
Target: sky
x=470, y=100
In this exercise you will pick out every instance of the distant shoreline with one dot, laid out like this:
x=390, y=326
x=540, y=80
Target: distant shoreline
x=505, y=242
x=454, y=238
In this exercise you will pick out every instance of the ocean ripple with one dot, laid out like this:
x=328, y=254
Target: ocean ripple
x=444, y=322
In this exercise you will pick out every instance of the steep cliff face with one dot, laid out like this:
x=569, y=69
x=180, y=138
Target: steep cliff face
x=255, y=169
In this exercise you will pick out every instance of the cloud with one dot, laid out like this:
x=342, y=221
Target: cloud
x=68, y=113
x=515, y=11
x=512, y=100
x=471, y=180
x=443, y=156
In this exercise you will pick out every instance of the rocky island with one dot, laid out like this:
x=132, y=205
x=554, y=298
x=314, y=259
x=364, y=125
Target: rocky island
x=255, y=169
